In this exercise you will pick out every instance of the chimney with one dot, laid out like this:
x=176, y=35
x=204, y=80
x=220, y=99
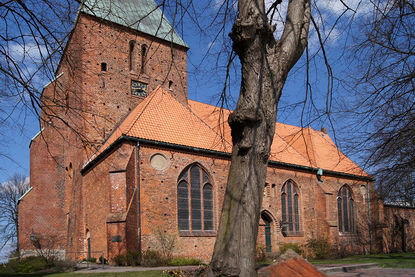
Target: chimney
x=324, y=130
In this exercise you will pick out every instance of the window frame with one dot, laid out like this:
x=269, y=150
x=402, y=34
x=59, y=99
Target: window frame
x=349, y=212
x=205, y=180
x=296, y=221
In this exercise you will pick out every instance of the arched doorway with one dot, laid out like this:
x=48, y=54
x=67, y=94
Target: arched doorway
x=268, y=241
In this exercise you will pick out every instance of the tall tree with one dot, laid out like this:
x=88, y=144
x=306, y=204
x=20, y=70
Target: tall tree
x=384, y=96
x=10, y=193
x=265, y=66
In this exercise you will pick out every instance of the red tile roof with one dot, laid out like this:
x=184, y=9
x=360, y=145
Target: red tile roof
x=160, y=117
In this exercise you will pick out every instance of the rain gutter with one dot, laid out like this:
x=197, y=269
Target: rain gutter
x=314, y=170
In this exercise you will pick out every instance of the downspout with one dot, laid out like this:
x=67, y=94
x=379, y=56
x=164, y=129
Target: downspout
x=370, y=220
x=138, y=196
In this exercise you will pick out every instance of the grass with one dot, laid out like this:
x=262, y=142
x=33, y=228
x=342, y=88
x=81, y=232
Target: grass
x=151, y=273
x=396, y=260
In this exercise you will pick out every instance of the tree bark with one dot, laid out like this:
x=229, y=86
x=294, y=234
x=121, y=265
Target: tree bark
x=265, y=65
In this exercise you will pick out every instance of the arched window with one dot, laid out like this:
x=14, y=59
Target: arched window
x=195, y=200
x=290, y=208
x=131, y=62
x=143, y=57
x=345, y=209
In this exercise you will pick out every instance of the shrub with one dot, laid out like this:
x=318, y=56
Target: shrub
x=180, y=261
x=293, y=246
x=92, y=260
x=319, y=248
x=64, y=266
x=120, y=260
x=27, y=265
x=260, y=254
x=165, y=243
x=102, y=260
x=152, y=258
x=133, y=258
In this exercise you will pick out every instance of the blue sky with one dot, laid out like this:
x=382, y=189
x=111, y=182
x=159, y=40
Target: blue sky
x=206, y=78
x=205, y=82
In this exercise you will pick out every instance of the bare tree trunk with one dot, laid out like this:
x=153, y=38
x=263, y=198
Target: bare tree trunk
x=265, y=65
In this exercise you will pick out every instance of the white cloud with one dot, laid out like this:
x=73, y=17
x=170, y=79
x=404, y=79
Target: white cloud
x=21, y=51
x=336, y=7
x=328, y=13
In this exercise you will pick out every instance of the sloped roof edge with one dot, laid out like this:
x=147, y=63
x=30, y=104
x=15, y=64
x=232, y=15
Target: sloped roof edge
x=139, y=141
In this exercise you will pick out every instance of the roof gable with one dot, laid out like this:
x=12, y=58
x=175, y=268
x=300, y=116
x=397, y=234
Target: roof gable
x=141, y=15
x=160, y=117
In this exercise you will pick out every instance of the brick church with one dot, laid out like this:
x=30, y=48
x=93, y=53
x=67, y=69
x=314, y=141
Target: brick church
x=123, y=153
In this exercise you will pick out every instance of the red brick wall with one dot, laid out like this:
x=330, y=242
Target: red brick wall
x=106, y=209
x=42, y=210
x=91, y=103
x=394, y=219
x=158, y=203
x=318, y=204
x=106, y=96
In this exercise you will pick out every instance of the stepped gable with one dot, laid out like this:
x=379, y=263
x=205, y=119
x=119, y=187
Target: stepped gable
x=140, y=15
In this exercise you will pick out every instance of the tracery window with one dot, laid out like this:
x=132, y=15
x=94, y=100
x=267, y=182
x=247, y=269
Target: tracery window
x=290, y=208
x=345, y=209
x=195, y=200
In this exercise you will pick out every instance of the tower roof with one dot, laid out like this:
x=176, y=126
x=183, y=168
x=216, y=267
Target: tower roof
x=141, y=15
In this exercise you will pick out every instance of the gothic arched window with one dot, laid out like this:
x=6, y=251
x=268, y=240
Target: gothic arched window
x=195, y=200
x=290, y=208
x=345, y=209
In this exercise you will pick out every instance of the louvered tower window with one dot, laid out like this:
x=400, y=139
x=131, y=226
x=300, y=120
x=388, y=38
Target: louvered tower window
x=290, y=208
x=195, y=200
x=345, y=210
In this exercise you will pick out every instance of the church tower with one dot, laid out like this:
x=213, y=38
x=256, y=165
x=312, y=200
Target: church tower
x=119, y=51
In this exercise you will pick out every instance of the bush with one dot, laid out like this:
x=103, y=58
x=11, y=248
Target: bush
x=92, y=260
x=165, y=243
x=64, y=266
x=152, y=258
x=120, y=260
x=319, y=248
x=27, y=265
x=102, y=260
x=180, y=261
x=293, y=246
x=260, y=254
x=133, y=258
